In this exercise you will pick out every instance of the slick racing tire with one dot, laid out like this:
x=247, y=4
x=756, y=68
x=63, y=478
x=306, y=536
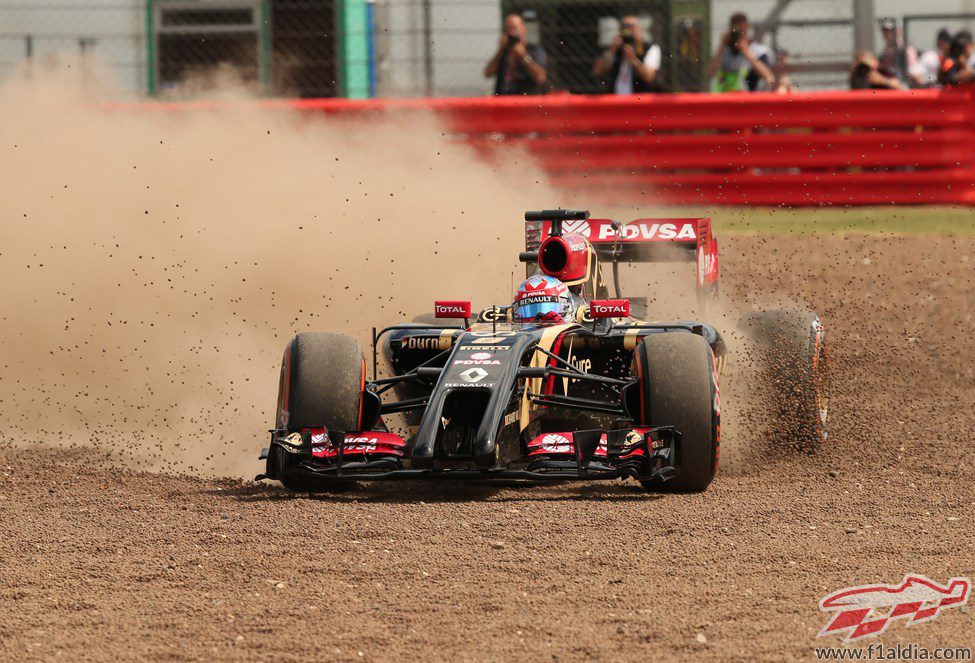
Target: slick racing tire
x=322, y=380
x=796, y=357
x=678, y=387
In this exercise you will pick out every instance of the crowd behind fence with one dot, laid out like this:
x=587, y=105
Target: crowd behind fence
x=397, y=48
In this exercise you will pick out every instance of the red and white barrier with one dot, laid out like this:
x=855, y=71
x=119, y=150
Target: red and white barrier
x=834, y=148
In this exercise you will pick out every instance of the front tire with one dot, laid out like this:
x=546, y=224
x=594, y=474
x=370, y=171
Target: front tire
x=322, y=380
x=678, y=387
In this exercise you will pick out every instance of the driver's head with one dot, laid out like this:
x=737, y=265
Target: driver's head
x=543, y=300
x=943, y=41
x=888, y=28
x=739, y=22
x=633, y=25
x=514, y=26
x=962, y=46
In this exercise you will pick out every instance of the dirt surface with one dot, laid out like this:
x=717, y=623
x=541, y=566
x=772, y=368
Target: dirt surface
x=103, y=563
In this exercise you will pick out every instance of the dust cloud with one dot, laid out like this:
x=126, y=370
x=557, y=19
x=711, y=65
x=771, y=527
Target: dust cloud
x=156, y=261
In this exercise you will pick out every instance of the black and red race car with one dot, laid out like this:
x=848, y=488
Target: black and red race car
x=604, y=396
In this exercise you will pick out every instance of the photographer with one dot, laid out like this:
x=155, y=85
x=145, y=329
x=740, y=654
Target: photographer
x=631, y=62
x=955, y=69
x=896, y=59
x=520, y=67
x=866, y=74
x=925, y=71
x=738, y=64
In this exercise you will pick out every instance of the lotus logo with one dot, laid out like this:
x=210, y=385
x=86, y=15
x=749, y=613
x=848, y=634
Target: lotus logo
x=555, y=443
x=473, y=374
x=581, y=227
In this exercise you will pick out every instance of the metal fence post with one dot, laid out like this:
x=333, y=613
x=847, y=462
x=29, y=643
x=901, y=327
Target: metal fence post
x=371, y=41
x=353, y=49
x=150, y=48
x=864, y=25
x=428, y=48
x=265, y=36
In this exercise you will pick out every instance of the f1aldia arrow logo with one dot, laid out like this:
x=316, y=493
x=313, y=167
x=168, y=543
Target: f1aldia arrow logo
x=867, y=610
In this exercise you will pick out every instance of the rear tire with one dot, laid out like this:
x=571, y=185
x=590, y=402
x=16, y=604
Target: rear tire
x=322, y=378
x=678, y=387
x=796, y=358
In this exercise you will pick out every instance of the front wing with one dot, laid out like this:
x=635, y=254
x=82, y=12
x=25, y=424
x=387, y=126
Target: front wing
x=645, y=454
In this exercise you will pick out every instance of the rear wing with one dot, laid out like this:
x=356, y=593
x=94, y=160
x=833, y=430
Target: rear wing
x=642, y=240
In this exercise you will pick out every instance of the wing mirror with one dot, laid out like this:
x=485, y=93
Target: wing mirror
x=609, y=308
x=454, y=309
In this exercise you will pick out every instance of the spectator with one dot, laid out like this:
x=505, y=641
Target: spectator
x=896, y=59
x=738, y=64
x=519, y=67
x=928, y=66
x=631, y=63
x=955, y=69
x=783, y=84
x=866, y=75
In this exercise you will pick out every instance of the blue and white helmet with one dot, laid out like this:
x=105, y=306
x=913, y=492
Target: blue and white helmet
x=543, y=300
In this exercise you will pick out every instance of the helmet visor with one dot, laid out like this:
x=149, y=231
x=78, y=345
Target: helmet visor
x=529, y=311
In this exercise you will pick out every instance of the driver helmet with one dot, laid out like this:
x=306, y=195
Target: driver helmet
x=543, y=300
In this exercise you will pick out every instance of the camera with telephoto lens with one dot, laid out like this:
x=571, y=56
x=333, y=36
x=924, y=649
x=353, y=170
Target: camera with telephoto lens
x=734, y=36
x=863, y=69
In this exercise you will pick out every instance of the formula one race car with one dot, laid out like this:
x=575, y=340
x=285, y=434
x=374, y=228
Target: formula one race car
x=562, y=384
